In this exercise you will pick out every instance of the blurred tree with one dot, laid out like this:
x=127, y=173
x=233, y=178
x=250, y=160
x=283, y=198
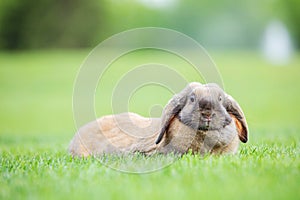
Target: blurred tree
x=51, y=23
x=79, y=23
x=11, y=22
x=213, y=23
x=292, y=18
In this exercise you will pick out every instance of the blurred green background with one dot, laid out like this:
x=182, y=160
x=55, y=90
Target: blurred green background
x=75, y=23
x=43, y=43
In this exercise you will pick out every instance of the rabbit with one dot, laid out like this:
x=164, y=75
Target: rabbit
x=201, y=118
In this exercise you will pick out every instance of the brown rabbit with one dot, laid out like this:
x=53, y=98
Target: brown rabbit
x=201, y=118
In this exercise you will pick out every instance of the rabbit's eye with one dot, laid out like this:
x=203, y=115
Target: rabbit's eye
x=192, y=98
x=220, y=98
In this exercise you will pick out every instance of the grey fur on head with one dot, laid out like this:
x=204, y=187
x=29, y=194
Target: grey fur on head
x=203, y=107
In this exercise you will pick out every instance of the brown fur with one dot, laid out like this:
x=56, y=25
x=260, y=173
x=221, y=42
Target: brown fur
x=238, y=125
x=181, y=139
x=115, y=134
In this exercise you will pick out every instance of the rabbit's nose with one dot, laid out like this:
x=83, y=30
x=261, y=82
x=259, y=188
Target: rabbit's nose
x=207, y=115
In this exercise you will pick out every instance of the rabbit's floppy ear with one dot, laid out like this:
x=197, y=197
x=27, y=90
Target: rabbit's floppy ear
x=173, y=107
x=235, y=110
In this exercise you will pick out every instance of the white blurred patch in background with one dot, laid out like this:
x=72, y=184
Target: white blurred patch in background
x=158, y=3
x=277, y=45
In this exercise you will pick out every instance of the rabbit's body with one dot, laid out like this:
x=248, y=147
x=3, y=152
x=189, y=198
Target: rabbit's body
x=201, y=118
x=182, y=139
x=117, y=134
x=104, y=136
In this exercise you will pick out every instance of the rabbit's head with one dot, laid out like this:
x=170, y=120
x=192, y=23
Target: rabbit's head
x=204, y=107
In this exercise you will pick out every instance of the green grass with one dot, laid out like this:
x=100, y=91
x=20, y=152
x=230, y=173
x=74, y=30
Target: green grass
x=37, y=125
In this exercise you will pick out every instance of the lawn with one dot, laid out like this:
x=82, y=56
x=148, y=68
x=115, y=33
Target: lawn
x=37, y=124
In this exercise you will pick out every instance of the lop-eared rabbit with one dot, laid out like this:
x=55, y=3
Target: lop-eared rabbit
x=201, y=118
